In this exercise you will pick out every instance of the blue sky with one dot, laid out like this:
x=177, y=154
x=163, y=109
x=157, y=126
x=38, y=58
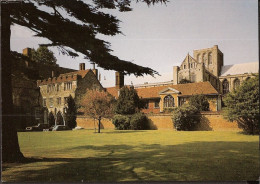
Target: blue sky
x=160, y=36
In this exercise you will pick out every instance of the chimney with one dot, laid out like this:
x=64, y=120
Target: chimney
x=27, y=52
x=52, y=74
x=119, y=80
x=95, y=71
x=82, y=66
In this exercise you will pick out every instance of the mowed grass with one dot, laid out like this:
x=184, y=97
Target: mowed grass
x=153, y=155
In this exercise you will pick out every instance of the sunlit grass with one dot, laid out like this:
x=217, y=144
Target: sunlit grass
x=76, y=156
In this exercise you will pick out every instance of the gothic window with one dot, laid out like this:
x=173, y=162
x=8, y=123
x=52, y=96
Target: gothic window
x=225, y=87
x=236, y=83
x=168, y=101
x=198, y=58
x=210, y=58
x=204, y=59
x=184, y=66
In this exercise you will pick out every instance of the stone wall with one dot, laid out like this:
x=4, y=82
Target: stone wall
x=210, y=121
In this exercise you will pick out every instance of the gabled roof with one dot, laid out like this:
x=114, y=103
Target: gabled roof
x=169, y=91
x=188, y=89
x=240, y=69
x=81, y=73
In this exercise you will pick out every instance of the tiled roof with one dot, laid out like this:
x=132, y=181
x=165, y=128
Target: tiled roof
x=72, y=76
x=240, y=69
x=186, y=90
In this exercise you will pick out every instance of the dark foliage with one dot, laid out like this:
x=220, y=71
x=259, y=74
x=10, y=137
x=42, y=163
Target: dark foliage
x=59, y=118
x=121, y=122
x=71, y=113
x=128, y=101
x=51, y=119
x=43, y=55
x=200, y=102
x=184, y=81
x=78, y=36
x=139, y=121
x=242, y=105
x=186, y=117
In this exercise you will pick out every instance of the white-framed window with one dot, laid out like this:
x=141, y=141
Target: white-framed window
x=51, y=102
x=168, y=101
x=59, y=101
x=67, y=86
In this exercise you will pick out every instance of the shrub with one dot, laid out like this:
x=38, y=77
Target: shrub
x=186, y=117
x=200, y=102
x=139, y=121
x=242, y=105
x=51, y=119
x=121, y=122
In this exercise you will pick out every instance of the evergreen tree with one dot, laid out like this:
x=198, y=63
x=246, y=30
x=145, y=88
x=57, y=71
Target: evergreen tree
x=242, y=105
x=128, y=101
x=51, y=119
x=43, y=55
x=71, y=113
x=200, y=102
x=68, y=35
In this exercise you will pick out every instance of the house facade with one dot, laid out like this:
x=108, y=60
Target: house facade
x=56, y=90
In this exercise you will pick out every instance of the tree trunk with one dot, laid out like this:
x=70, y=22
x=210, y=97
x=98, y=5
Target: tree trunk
x=99, y=124
x=10, y=146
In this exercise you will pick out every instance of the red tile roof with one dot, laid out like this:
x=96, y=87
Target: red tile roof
x=186, y=90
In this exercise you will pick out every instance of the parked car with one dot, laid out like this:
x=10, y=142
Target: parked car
x=51, y=128
x=78, y=128
x=38, y=127
x=60, y=128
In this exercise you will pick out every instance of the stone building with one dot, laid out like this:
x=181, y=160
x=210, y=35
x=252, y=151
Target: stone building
x=208, y=76
x=208, y=65
x=26, y=94
x=56, y=90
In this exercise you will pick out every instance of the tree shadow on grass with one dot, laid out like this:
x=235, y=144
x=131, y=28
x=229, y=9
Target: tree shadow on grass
x=197, y=161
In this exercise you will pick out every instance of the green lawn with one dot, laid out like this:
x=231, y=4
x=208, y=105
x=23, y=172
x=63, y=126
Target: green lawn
x=153, y=155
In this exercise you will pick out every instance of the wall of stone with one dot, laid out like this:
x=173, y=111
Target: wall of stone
x=210, y=121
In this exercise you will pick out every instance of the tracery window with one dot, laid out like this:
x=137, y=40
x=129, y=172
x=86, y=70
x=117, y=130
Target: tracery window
x=225, y=87
x=168, y=101
x=236, y=83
